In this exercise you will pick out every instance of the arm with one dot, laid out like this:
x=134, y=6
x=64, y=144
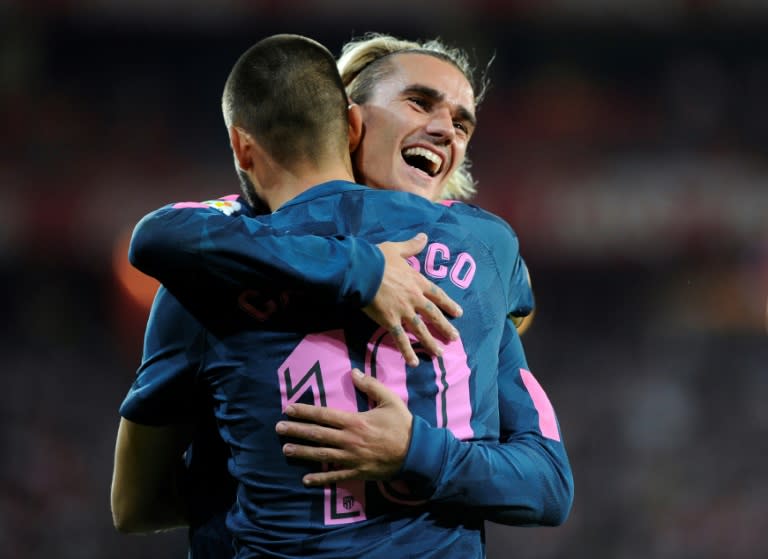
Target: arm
x=522, y=315
x=157, y=424
x=222, y=251
x=524, y=479
x=176, y=241
x=146, y=493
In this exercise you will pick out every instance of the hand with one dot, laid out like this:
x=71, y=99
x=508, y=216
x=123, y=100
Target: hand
x=405, y=297
x=367, y=445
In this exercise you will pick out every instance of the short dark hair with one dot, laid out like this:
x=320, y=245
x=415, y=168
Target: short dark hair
x=287, y=93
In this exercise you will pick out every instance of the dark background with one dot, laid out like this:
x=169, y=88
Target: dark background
x=626, y=142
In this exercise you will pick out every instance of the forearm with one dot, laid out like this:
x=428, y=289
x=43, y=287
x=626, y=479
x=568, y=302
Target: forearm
x=147, y=493
x=525, y=477
x=177, y=245
x=525, y=480
x=158, y=509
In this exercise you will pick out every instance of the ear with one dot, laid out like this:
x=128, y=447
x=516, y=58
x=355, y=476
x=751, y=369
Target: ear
x=242, y=147
x=355, y=114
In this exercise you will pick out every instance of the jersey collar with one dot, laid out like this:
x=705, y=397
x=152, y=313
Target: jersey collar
x=322, y=189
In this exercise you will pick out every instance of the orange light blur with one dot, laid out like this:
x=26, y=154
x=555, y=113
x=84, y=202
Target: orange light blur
x=139, y=287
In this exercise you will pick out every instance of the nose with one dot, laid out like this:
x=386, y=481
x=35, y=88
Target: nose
x=440, y=125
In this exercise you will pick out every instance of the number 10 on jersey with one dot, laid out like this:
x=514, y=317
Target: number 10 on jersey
x=320, y=363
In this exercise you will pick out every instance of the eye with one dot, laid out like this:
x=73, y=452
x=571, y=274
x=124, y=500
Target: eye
x=461, y=126
x=420, y=102
x=464, y=129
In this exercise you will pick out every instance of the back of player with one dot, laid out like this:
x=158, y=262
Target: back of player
x=280, y=347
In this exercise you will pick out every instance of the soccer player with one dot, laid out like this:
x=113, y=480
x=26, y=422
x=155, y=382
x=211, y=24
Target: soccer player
x=256, y=356
x=389, y=156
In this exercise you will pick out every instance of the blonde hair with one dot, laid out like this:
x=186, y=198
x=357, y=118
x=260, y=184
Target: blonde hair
x=360, y=72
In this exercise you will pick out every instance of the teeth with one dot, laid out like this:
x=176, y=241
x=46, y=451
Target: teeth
x=430, y=156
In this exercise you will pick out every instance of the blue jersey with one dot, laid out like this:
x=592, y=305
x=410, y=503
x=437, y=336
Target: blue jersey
x=254, y=348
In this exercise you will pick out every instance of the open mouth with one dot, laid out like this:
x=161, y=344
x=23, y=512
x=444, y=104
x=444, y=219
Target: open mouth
x=424, y=160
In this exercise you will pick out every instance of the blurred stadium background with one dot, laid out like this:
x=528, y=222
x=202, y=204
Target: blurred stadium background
x=626, y=142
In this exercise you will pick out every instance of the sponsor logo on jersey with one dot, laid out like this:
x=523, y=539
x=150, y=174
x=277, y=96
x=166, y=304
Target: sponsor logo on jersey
x=227, y=205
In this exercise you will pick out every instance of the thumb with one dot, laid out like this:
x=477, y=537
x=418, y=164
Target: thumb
x=372, y=387
x=413, y=246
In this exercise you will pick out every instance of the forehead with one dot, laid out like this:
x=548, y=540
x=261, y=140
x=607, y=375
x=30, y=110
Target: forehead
x=417, y=69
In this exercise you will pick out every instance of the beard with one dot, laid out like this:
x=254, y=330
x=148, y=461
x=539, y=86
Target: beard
x=249, y=192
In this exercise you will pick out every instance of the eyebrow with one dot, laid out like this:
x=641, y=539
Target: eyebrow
x=463, y=112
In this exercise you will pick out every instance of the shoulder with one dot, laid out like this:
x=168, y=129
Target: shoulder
x=401, y=209
x=485, y=222
x=165, y=304
x=169, y=321
x=231, y=205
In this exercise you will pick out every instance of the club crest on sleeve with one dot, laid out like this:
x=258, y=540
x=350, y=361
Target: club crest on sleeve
x=227, y=207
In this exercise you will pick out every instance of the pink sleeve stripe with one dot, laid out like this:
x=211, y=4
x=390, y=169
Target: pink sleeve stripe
x=449, y=203
x=227, y=198
x=547, y=420
x=180, y=205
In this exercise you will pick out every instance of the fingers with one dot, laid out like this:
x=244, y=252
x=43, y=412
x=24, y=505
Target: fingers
x=440, y=298
x=413, y=246
x=363, y=445
x=331, y=456
x=429, y=309
x=407, y=302
x=442, y=325
x=373, y=388
x=419, y=329
x=333, y=476
x=315, y=454
x=403, y=343
x=310, y=432
x=329, y=453
x=328, y=417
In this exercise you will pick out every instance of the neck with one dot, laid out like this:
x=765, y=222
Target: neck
x=280, y=185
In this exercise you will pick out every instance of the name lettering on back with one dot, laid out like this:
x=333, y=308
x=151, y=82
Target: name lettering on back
x=440, y=262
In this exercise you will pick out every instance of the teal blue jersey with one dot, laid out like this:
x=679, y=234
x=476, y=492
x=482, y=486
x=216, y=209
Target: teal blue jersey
x=261, y=312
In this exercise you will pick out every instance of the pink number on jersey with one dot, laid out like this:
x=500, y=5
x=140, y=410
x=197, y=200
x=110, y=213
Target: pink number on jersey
x=454, y=408
x=319, y=363
x=385, y=362
x=452, y=402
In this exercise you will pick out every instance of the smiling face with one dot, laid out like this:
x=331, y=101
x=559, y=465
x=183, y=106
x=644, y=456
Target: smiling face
x=417, y=123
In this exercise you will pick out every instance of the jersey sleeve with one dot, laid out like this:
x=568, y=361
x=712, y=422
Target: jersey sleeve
x=521, y=296
x=186, y=242
x=525, y=479
x=511, y=265
x=502, y=241
x=165, y=389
